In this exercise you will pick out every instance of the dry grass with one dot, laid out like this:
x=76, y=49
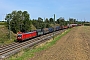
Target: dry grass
x=4, y=38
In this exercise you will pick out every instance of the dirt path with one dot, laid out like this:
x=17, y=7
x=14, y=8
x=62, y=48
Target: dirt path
x=73, y=46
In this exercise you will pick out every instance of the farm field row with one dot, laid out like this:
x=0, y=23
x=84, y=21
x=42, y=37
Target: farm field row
x=73, y=46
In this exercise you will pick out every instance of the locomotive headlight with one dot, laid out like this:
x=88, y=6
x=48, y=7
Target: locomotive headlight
x=19, y=37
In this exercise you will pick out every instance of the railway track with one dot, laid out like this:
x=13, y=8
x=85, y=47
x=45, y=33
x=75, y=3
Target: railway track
x=8, y=50
x=6, y=46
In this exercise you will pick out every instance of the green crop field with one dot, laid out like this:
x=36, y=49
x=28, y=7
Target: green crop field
x=2, y=23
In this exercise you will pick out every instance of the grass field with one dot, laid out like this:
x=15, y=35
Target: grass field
x=4, y=37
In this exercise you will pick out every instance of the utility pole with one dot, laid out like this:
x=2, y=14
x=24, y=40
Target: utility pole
x=9, y=28
x=54, y=26
x=81, y=21
x=77, y=21
x=45, y=22
x=84, y=20
x=54, y=19
x=69, y=21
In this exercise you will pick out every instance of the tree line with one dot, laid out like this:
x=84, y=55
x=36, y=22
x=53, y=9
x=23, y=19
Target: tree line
x=20, y=21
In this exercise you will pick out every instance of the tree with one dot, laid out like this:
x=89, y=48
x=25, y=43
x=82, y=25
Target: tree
x=35, y=23
x=46, y=20
x=61, y=21
x=51, y=20
x=71, y=20
x=58, y=21
x=19, y=21
x=26, y=22
x=40, y=21
x=47, y=23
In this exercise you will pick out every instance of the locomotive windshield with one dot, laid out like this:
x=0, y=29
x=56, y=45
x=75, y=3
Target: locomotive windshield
x=20, y=35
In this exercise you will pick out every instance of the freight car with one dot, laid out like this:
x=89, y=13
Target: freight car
x=39, y=32
x=65, y=27
x=57, y=28
x=51, y=29
x=45, y=30
x=73, y=25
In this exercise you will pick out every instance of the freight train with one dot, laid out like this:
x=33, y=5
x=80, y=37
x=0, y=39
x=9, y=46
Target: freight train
x=38, y=32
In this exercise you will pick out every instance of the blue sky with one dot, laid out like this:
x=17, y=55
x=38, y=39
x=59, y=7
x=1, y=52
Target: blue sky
x=78, y=9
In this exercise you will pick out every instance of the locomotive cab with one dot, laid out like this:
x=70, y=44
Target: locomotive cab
x=19, y=37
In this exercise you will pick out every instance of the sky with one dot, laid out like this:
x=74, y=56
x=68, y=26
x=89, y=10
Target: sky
x=78, y=9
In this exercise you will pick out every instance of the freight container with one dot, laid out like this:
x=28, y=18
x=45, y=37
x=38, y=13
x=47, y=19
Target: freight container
x=51, y=29
x=45, y=30
x=39, y=32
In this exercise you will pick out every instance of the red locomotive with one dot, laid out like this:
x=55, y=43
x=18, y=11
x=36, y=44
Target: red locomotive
x=24, y=36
